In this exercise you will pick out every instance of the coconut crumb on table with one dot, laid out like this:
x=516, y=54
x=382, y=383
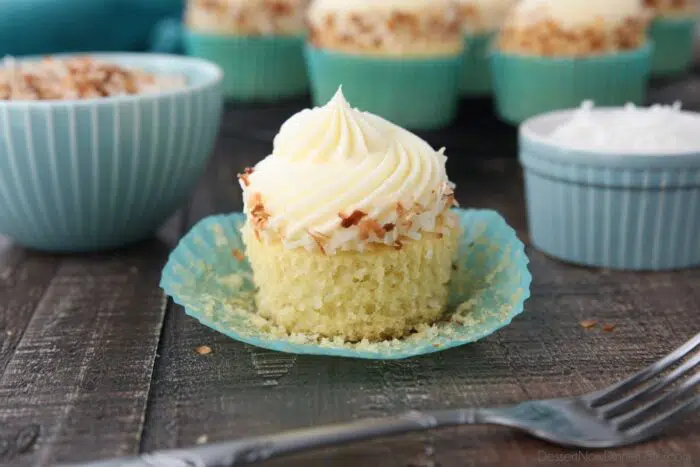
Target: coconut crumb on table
x=80, y=77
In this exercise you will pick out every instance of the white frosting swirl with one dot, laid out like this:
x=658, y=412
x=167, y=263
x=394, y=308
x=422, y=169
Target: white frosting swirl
x=330, y=162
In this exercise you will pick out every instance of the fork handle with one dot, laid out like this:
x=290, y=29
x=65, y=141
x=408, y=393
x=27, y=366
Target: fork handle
x=250, y=450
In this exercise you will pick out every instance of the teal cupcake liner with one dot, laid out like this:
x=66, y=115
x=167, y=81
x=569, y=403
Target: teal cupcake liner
x=261, y=68
x=525, y=86
x=489, y=287
x=673, y=45
x=476, y=69
x=419, y=94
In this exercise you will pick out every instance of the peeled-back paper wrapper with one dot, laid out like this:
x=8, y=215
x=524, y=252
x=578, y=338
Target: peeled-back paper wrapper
x=208, y=275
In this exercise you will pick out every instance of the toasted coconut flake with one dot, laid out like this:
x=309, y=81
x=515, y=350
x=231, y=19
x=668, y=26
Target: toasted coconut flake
x=400, y=210
x=320, y=240
x=238, y=254
x=258, y=213
x=244, y=177
x=352, y=219
x=370, y=226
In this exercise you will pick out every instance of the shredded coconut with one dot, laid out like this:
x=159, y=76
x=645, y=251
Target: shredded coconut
x=77, y=78
x=629, y=129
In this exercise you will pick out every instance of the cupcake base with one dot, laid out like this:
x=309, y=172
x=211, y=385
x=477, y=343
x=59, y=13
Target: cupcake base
x=414, y=93
x=525, y=86
x=255, y=69
x=374, y=295
x=673, y=45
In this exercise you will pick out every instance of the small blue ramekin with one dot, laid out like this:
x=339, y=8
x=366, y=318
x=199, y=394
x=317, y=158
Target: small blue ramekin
x=260, y=68
x=85, y=175
x=525, y=86
x=415, y=93
x=674, y=39
x=618, y=211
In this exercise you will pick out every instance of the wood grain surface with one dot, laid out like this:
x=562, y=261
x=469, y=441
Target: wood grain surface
x=95, y=362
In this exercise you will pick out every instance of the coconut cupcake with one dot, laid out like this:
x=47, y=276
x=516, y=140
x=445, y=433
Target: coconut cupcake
x=553, y=54
x=481, y=19
x=258, y=44
x=349, y=230
x=673, y=33
x=399, y=59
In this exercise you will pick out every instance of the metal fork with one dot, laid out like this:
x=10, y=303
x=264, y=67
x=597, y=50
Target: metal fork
x=625, y=413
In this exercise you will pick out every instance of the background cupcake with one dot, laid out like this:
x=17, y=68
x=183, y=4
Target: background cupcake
x=673, y=33
x=481, y=19
x=258, y=44
x=399, y=59
x=554, y=54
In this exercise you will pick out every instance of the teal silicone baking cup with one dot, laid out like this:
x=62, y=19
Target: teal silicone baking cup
x=673, y=45
x=489, y=286
x=633, y=211
x=476, y=69
x=525, y=86
x=263, y=68
x=418, y=94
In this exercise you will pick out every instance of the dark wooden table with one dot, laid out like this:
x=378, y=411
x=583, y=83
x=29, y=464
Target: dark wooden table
x=96, y=362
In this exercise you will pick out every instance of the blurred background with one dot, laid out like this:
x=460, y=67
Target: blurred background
x=51, y=26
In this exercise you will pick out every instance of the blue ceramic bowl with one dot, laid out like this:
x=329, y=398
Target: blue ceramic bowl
x=83, y=175
x=621, y=211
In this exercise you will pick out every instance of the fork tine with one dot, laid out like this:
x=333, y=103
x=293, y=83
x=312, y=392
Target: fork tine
x=639, y=415
x=628, y=403
x=617, y=390
x=665, y=420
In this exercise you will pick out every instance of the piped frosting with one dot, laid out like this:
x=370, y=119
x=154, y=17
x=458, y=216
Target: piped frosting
x=342, y=179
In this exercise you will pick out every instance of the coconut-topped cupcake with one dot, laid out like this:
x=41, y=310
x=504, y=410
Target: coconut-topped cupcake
x=399, y=59
x=259, y=44
x=349, y=230
x=388, y=27
x=574, y=27
x=554, y=54
x=247, y=17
